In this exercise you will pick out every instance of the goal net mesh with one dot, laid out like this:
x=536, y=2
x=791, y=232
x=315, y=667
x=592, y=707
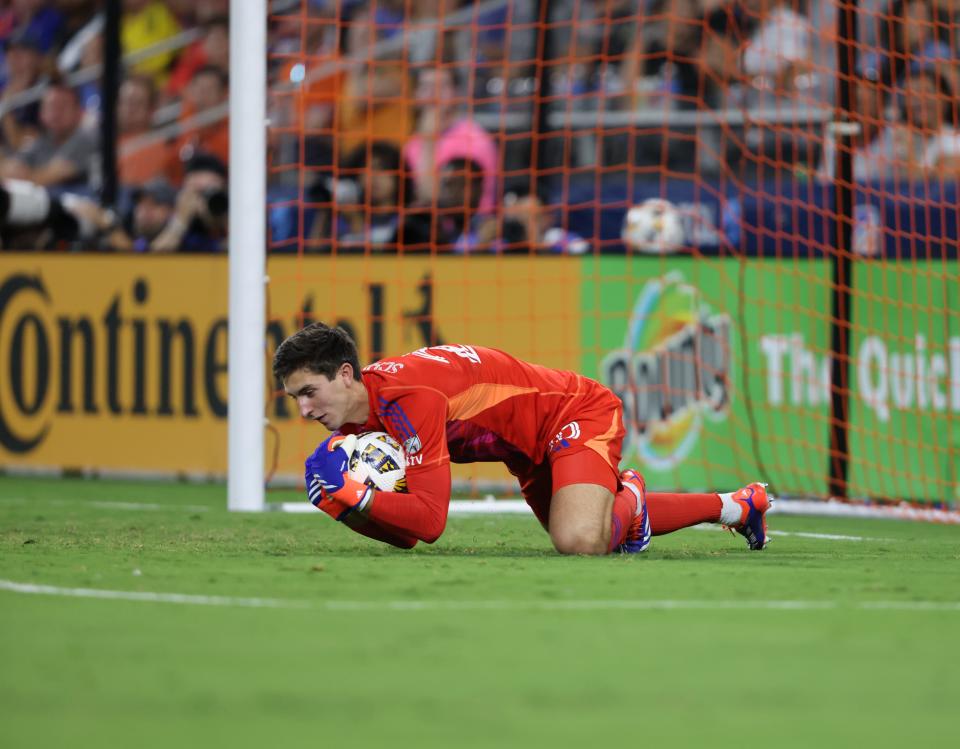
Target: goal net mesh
x=645, y=192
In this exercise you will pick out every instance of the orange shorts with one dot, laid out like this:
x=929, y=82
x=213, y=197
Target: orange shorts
x=584, y=451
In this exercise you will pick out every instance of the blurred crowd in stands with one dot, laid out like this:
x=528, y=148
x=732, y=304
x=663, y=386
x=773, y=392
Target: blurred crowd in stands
x=447, y=124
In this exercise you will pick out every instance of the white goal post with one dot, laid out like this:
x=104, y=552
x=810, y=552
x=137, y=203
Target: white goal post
x=247, y=254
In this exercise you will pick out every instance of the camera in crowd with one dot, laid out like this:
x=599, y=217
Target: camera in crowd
x=31, y=216
x=217, y=202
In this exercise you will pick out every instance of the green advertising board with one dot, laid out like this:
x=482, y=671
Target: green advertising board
x=906, y=374
x=723, y=366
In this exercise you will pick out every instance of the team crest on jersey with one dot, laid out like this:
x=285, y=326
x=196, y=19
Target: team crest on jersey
x=567, y=433
x=412, y=445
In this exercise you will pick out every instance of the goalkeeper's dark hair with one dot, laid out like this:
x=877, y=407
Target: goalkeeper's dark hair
x=317, y=348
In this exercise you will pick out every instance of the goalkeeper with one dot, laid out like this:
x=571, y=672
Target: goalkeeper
x=559, y=433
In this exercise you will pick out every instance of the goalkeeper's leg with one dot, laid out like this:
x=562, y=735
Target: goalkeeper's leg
x=743, y=511
x=577, y=499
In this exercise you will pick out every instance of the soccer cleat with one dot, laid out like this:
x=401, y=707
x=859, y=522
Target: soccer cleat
x=755, y=502
x=638, y=534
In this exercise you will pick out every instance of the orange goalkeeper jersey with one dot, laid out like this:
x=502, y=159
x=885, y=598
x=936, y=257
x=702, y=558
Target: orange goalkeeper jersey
x=469, y=404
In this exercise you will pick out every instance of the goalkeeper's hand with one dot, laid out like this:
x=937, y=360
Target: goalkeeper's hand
x=328, y=486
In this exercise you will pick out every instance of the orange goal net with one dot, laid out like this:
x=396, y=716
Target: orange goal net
x=740, y=216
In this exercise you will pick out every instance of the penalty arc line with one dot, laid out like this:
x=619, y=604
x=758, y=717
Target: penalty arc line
x=466, y=605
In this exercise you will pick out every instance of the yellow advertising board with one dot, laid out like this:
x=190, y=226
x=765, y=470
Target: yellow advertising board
x=120, y=362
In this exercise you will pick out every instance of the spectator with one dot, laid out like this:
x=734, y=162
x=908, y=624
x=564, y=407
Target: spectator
x=41, y=20
x=84, y=50
x=153, y=208
x=461, y=224
x=208, y=90
x=445, y=133
x=602, y=37
x=869, y=149
x=76, y=14
x=575, y=75
x=911, y=31
x=305, y=81
x=143, y=24
x=199, y=222
x=8, y=21
x=431, y=37
x=374, y=102
x=661, y=63
x=213, y=48
x=379, y=189
x=529, y=224
x=718, y=59
x=778, y=65
x=71, y=55
x=925, y=141
x=499, y=48
x=152, y=212
x=780, y=51
x=65, y=153
x=140, y=157
x=24, y=71
x=304, y=92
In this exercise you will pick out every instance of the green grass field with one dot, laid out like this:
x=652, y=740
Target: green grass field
x=486, y=639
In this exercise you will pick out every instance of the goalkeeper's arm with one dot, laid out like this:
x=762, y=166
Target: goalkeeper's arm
x=421, y=513
x=366, y=527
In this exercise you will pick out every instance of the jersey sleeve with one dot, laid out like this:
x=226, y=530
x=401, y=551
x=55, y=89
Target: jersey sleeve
x=416, y=418
x=421, y=512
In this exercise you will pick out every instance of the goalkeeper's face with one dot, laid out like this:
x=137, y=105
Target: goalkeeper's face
x=333, y=403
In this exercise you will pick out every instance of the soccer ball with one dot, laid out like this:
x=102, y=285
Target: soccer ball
x=378, y=461
x=654, y=226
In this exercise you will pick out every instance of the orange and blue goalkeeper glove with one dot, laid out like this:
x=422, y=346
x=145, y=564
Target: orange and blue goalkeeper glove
x=328, y=486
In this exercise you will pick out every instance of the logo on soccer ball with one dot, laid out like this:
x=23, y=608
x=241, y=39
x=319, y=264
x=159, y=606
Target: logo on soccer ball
x=378, y=461
x=672, y=372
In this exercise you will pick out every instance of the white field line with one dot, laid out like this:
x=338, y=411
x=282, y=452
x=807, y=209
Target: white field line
x=801, y=534
x=105, y=505
x=146, y=506
x=127, y=595
x=826, y=536
x=492, y=605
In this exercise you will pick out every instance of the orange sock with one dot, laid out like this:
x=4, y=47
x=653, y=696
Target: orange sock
x=624, y=510
x=671, y=512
